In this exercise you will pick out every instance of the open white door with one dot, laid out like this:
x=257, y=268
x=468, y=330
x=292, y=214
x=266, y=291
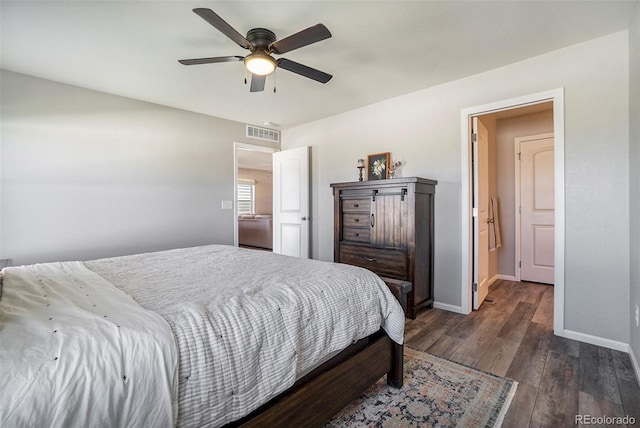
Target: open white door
x=291, y=202
x=480, y=141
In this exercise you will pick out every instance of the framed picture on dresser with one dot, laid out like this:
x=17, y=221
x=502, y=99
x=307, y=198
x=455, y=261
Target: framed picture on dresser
x=378, y=166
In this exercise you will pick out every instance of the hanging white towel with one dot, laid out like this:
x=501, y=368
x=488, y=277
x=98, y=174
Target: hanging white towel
x=494, y=225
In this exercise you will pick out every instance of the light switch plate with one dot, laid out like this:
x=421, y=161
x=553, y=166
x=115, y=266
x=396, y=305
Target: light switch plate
x=227, y=205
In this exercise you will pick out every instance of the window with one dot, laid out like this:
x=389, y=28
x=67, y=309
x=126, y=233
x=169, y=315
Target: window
x=246, y=196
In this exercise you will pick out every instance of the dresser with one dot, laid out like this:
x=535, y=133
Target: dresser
x=386, y=226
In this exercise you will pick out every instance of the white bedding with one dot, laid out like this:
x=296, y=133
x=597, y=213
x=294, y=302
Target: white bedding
x=246, y=323
x=72, y=353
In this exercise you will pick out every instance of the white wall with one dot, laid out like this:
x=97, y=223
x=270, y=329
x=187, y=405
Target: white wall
x=634, y=179
x=87, y=174
x=423, y=129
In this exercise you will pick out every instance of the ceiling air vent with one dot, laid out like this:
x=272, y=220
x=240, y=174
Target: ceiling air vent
x=263, y=134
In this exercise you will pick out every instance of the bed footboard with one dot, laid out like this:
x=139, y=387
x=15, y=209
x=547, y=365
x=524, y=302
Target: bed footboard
x=314, y=399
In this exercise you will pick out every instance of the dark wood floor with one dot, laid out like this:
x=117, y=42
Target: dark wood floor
x=512, y=335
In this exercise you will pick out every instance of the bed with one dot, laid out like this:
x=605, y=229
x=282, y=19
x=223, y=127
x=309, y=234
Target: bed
x=203, y=336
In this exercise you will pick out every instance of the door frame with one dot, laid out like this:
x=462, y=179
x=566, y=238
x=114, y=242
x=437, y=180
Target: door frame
x=236, y=147
x=557, y=97
x=518, y=195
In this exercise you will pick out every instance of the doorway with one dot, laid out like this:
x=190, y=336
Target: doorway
x=491, y=114
x=280, y=214
x=253, y=195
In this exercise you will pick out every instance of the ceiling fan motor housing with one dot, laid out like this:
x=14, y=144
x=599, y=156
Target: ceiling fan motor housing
x=261, y=37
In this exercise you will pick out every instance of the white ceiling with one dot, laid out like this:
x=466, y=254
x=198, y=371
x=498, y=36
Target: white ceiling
x=251, y=159
x=379, y=49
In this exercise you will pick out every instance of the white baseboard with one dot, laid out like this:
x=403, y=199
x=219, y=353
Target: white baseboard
x=606, y=343
x=505, y=277
x=595, y=340
x=450, y=308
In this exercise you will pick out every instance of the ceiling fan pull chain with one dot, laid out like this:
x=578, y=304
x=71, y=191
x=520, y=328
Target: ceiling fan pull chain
x=274, y=81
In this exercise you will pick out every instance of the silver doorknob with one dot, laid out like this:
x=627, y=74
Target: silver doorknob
x=303, y=218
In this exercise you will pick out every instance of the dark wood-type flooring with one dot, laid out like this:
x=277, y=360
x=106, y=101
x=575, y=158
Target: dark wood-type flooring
x=512, y=336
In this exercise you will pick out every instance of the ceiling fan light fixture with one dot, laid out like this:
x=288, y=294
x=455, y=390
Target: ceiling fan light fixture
x=260, y=63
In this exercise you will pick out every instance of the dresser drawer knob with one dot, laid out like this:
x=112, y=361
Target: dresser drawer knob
x=355, y=205
x=369, y=259
x=357, y=234
x=356, y=220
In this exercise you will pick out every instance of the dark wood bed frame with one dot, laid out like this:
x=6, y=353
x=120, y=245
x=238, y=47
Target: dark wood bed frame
x=322, y=393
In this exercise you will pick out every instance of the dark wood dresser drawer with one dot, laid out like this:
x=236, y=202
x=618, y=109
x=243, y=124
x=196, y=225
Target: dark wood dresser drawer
x=355, y=205
x=381, y=261
x=356, y=220
x=355, y=234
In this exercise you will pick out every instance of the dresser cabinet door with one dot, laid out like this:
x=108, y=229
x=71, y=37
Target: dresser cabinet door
x=389, y=217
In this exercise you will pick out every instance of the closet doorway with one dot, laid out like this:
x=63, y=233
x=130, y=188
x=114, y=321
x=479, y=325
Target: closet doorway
x=512, y=152
x=524, y=118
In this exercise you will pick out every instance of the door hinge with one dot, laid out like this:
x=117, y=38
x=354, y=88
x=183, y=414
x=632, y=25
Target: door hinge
x=520, y=264
x=475, y=287
x=519, y=154
x=474, y=138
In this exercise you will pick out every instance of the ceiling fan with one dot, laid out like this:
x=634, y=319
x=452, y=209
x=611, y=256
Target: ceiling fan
x=262, y=43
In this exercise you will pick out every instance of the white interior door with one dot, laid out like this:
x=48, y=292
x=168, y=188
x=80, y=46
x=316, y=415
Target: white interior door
x=481, y=213
x=537, y=208
x=291, y=202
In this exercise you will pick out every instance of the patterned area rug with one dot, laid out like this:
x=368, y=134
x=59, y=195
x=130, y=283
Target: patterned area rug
x=436, y=393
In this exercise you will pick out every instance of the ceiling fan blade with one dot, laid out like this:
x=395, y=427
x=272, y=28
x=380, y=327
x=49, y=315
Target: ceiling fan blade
x=257, y=83
x=212, y=18
x=212, y=60
x=302, y=38
x=303, y=70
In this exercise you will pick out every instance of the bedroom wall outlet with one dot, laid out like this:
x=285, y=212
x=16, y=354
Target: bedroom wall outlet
x=227, y=205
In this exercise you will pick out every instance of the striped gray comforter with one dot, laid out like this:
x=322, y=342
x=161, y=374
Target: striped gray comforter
x=248, y=323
